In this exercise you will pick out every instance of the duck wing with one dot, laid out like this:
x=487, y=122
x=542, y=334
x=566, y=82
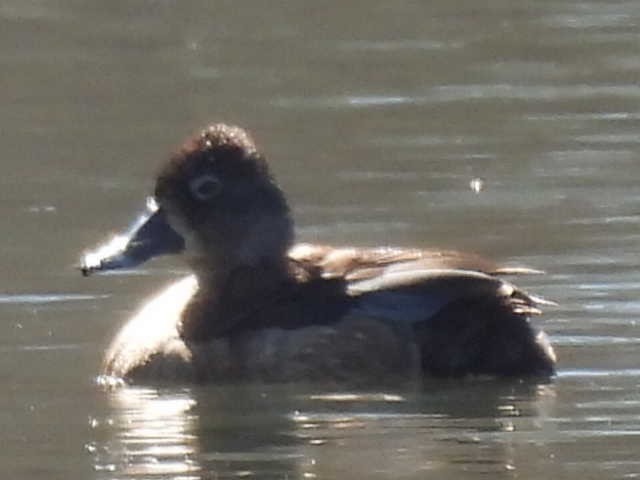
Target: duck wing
x=412, y=294
x=462, y=321
x=410, y=285
x=363, y=263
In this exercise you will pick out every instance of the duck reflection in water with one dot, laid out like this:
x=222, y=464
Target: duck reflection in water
x=311, y=431
x=259, y=306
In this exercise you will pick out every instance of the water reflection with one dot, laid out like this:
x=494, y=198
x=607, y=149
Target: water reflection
x=313, y=432
x=150, y=432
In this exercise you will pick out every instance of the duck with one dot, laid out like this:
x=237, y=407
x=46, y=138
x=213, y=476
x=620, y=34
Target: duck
x=258, y=306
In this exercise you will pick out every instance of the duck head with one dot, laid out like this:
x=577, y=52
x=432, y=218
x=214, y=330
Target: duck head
x=215, y=201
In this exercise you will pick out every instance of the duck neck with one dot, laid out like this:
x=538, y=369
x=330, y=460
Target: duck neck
x=228, y=296
x=245, y=269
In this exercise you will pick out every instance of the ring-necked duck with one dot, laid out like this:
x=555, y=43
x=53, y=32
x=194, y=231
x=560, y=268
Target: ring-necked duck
x=258, y=306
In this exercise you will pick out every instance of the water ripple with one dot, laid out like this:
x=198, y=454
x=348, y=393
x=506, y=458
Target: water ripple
x=454, y=93
x=40, y=298
x=595, y=373
x=40, y=348
x=594, y=340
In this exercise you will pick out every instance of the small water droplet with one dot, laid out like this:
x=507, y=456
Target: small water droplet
x=476, y=184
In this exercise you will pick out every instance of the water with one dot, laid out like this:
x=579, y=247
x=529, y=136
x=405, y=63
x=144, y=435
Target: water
x=508, y=128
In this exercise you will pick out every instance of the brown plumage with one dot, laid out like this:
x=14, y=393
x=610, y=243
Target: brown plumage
x=259, y=306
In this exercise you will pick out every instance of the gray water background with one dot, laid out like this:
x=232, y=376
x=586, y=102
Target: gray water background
x=376, y=117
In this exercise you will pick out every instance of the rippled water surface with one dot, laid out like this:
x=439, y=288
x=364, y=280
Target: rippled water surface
x=509, y=128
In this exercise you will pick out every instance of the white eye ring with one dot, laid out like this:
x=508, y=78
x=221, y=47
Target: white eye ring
x=205, y=187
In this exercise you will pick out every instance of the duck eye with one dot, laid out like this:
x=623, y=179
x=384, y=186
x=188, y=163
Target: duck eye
x=205, y=187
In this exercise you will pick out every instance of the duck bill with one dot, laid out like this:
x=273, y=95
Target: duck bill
x=150, y=236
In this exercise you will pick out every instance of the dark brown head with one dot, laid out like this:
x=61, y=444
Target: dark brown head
x=216, y=192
